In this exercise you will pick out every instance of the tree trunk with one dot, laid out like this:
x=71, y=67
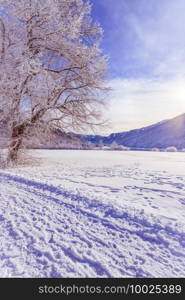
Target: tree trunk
x=16, y=142
x=14, y=149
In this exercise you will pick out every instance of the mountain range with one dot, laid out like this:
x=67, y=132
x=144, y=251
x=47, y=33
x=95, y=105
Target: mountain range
x=161, y=135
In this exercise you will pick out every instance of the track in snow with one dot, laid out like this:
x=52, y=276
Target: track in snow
x=51, y=230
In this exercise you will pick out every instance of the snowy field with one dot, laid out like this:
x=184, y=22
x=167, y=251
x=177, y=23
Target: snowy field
x=94, y=214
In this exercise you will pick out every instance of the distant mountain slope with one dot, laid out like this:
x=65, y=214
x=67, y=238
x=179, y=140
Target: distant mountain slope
x=161, y=135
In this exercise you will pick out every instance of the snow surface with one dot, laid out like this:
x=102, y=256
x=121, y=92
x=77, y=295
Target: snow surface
x=94, y=214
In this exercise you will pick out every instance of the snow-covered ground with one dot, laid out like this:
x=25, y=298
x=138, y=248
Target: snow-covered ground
x=94, y=214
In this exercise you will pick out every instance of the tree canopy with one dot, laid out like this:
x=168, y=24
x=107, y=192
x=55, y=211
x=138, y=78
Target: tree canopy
x=52, y=71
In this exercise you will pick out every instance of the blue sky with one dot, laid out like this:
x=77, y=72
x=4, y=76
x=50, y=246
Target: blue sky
x=145, y=42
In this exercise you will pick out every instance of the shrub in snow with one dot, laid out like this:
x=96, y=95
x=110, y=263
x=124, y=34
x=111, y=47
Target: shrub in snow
x=115, y=146
x=124, y=148
x=90, y=146
x=155, y=149
x=171, y=149
x=106, y=148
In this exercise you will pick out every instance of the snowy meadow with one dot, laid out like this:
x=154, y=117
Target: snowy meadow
x=93, y=214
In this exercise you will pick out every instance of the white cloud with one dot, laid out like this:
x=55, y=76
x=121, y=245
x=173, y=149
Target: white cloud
x=147, y=55
x=135, y=103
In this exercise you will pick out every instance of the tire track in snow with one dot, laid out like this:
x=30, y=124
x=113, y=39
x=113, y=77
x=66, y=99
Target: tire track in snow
x=109, y=224
x=94, y=264
x=89, y=203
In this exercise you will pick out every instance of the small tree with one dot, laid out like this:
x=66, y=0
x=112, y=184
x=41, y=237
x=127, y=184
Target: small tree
x=51, y=68
x=171, y=149
x=100, y=144
x=124, y=148
x=155, y=149
x=114, y=145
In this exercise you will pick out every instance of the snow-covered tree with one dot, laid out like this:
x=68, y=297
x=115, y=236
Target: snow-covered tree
x=171, y=149
x=106, y=148
x=124, y=148
x=101, y=144
x=155, y=150
x=114, y=145
x=52, y=71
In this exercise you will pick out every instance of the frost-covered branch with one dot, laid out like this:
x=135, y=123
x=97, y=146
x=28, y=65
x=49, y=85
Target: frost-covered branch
x=52, y=70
